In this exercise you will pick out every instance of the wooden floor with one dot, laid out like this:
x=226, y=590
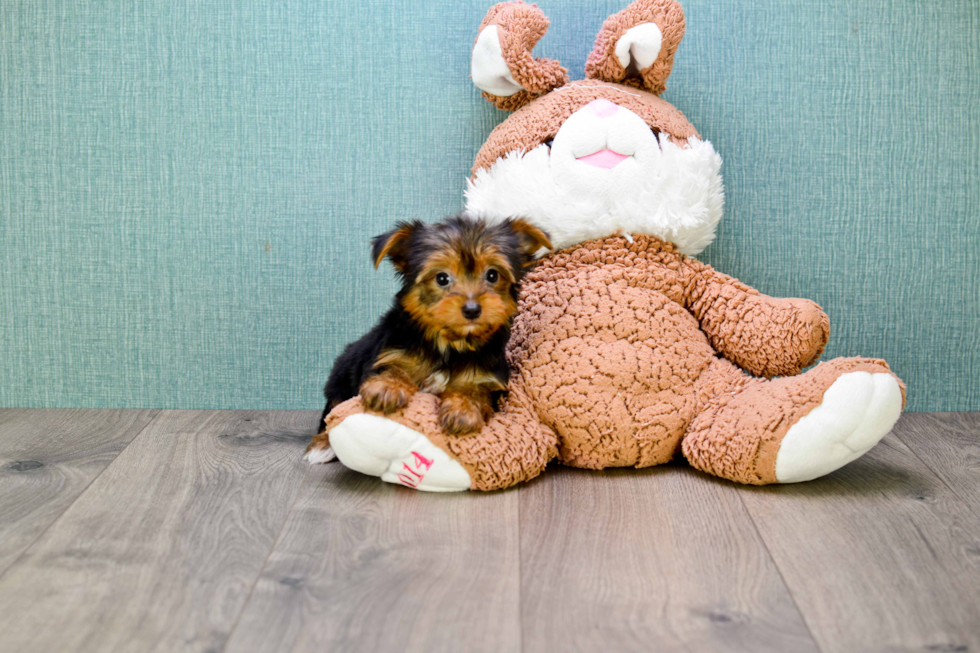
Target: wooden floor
x=180, y=530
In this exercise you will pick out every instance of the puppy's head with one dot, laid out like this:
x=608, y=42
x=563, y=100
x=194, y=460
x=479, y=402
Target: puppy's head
x=461, y=276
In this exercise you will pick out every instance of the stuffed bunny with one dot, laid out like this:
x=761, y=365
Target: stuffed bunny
x=625, y=350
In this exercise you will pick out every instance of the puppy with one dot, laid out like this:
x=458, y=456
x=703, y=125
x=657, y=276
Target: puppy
x=449, y=324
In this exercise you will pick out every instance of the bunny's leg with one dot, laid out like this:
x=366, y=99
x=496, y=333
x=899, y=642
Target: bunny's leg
x=409, y=448
x=794, y=428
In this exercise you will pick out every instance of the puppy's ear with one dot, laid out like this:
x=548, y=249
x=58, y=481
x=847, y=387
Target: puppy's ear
x=531, y=238
x=394, y=245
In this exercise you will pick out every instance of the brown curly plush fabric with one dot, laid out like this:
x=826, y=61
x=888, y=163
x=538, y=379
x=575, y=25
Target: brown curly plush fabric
x=519, y=28
x=615, y=358
x=715, y=441
x=604, y=64
x=537, y=122
x=513, y=447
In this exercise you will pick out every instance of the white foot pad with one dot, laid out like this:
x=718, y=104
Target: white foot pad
x=377, y=446
x=857, y=411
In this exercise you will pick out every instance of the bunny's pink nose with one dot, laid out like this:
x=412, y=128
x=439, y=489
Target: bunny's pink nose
x=602, y=107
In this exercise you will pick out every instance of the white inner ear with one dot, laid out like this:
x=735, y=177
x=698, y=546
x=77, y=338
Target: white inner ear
x=488, y=68
x=640, y=44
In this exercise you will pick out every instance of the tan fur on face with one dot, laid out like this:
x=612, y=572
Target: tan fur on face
x=440, y=310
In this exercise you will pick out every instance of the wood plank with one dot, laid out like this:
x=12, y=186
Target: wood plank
x=662, y=559
x=47, y=458
x=160, y=552
x=367, y=566
x=949, y=445
x=879, y=556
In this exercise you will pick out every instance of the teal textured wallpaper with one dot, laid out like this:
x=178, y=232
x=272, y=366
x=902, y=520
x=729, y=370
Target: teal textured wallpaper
x=187, y=188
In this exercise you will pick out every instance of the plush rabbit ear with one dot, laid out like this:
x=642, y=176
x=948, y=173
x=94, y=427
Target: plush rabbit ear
x=502, y=66
x=637, y=45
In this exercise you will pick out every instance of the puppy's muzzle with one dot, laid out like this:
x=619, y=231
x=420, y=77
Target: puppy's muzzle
x=472, y=310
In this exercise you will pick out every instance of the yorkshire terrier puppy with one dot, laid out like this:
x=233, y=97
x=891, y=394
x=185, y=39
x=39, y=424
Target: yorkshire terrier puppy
x=447, y=329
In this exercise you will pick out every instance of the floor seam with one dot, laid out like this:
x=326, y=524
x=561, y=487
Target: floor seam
x=265, y=563
x=926, y=464
x=155, y=414
x=779, y=571
x=520, y=576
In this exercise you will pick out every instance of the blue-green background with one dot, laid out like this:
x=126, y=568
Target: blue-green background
x=187, y=188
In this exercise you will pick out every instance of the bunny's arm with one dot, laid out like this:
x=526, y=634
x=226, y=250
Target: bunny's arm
x=765, y=336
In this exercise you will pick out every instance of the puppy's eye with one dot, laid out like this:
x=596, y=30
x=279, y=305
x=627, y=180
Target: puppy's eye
x=549, y=142
x=443, y=279
x=491, y=276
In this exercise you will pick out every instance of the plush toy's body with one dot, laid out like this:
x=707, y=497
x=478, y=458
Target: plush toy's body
x=625, y=350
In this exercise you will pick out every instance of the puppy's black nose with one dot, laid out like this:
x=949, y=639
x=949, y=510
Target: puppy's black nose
x=471, y=310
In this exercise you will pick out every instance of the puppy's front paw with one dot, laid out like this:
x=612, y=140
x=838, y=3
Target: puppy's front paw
x=386, y=393
x=460, y=414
